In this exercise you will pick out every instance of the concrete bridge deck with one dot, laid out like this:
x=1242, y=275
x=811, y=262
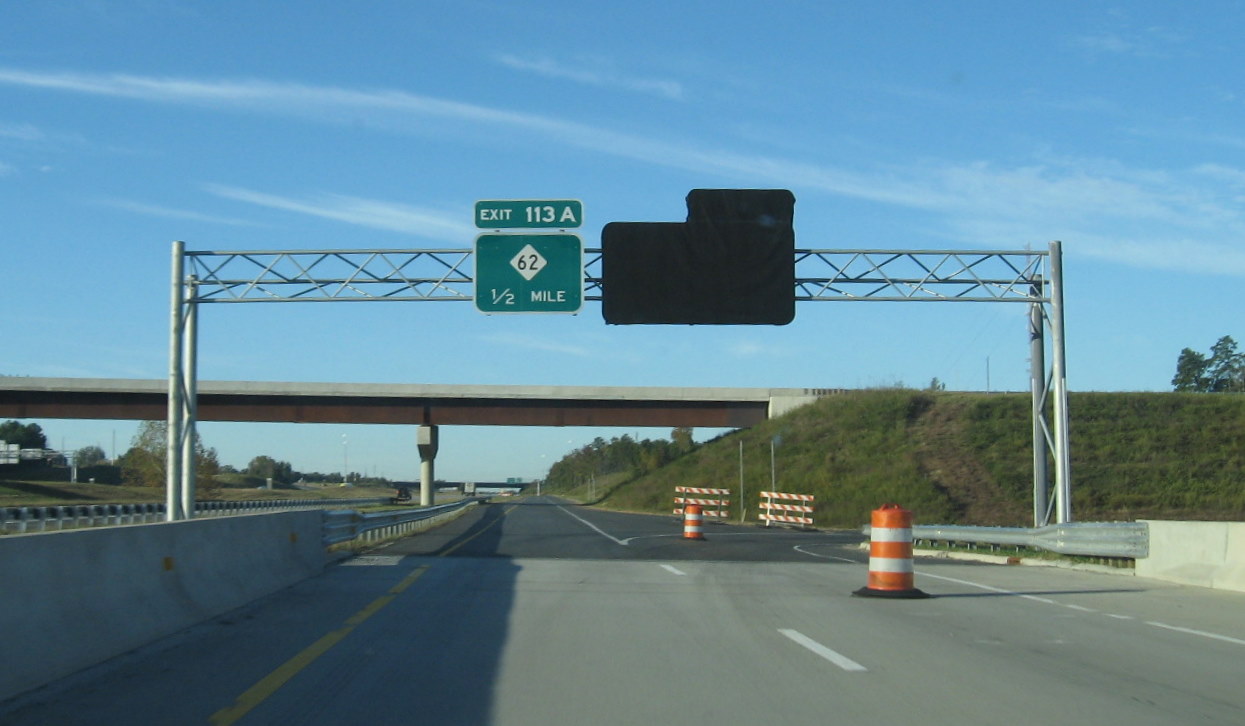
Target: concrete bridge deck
x=386, y=403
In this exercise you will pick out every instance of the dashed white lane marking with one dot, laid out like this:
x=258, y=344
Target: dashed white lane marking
x=674, y=570
x=838, y=659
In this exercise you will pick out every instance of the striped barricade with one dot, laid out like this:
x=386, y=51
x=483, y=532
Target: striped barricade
x=769, y=506
x=719, y=502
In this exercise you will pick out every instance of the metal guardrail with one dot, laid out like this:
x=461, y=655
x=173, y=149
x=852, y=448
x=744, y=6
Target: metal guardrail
x=22, y=520
x=222, y=508
x=1090, y=539
x=348, y=525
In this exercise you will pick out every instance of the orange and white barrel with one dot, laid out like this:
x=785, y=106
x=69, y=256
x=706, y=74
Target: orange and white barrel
x=890, y=555
x=693, y=518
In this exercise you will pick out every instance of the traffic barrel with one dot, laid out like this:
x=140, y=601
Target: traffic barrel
x=890, y=555
x=693, y=515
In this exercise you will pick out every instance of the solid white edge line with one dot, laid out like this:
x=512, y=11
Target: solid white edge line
x=1165, y=626
x=1191, y=631
x=799, y=548
x=838, y=659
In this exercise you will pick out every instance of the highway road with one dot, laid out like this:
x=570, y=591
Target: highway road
x=533, y=611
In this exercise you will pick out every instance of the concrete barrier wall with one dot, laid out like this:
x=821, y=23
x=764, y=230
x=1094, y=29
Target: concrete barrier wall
x=74, y=599
x=1207, y=554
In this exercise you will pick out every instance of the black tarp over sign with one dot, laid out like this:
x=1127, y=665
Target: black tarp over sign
x=731, y=263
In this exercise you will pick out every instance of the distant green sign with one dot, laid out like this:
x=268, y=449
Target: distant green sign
x=529, y=273
x=529, y=214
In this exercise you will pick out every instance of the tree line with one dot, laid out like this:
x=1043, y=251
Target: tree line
x=1223, y=371
x=621, y=454
x=144, y=463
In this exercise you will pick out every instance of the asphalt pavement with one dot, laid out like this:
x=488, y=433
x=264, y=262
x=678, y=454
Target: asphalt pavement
x=535, y=611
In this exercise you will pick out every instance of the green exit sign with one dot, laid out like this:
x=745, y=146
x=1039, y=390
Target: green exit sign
x=529, y=214
x=529, y=273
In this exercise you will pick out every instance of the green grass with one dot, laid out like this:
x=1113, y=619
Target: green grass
x=958, y=458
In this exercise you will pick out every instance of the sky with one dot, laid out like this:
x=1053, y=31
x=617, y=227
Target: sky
x=1115, y=128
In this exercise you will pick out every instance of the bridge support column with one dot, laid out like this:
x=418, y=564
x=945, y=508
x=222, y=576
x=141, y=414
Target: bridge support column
x=426, y=438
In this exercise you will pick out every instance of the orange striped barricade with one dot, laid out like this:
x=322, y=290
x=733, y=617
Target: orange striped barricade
x=769, y=506
x=692, y=522
x=890, y=555
x=718, y=500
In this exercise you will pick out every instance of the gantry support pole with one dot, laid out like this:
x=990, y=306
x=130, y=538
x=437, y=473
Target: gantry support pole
x=173, y=454
x=1037, y=385
x=190, y=401
x=1059, y=385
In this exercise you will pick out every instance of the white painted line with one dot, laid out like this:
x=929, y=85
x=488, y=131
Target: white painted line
x=674, y=570
x=373, y=561
x=716, y=535
x=1202, y=633
x=595, y=528
x=629, y=540
x=972, y=584
x=801, y=550
x=838, y=659
x=980, y=586
x=1165, y=626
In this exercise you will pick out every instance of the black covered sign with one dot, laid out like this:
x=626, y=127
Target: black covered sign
x=731, y=263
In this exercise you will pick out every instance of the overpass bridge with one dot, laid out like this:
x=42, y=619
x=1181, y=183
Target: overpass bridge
x=421, y=405
x=412, y=404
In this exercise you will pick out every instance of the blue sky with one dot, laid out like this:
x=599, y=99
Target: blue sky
x=1115, y=128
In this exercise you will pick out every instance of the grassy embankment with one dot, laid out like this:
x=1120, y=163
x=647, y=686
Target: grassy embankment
x=967, y=459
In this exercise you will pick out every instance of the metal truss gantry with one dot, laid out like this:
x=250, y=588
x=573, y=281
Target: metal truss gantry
x=1032, y=277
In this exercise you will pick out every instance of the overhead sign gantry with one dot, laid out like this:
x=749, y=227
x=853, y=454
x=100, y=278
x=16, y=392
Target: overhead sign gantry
x=504, y=266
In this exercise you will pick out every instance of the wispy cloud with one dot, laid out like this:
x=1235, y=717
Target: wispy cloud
x=372, y=213
x=1104, y=43
x=21, y=132
x=592, y=74
x=35, y=136
x=1169, y=219
x=514, y=340
x=324, y=103
x=755, y=348
x=152, y=210
x=1155, y=41
x=1181, y=219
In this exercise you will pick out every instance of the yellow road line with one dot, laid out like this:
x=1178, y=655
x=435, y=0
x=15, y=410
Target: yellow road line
x=270, y=683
